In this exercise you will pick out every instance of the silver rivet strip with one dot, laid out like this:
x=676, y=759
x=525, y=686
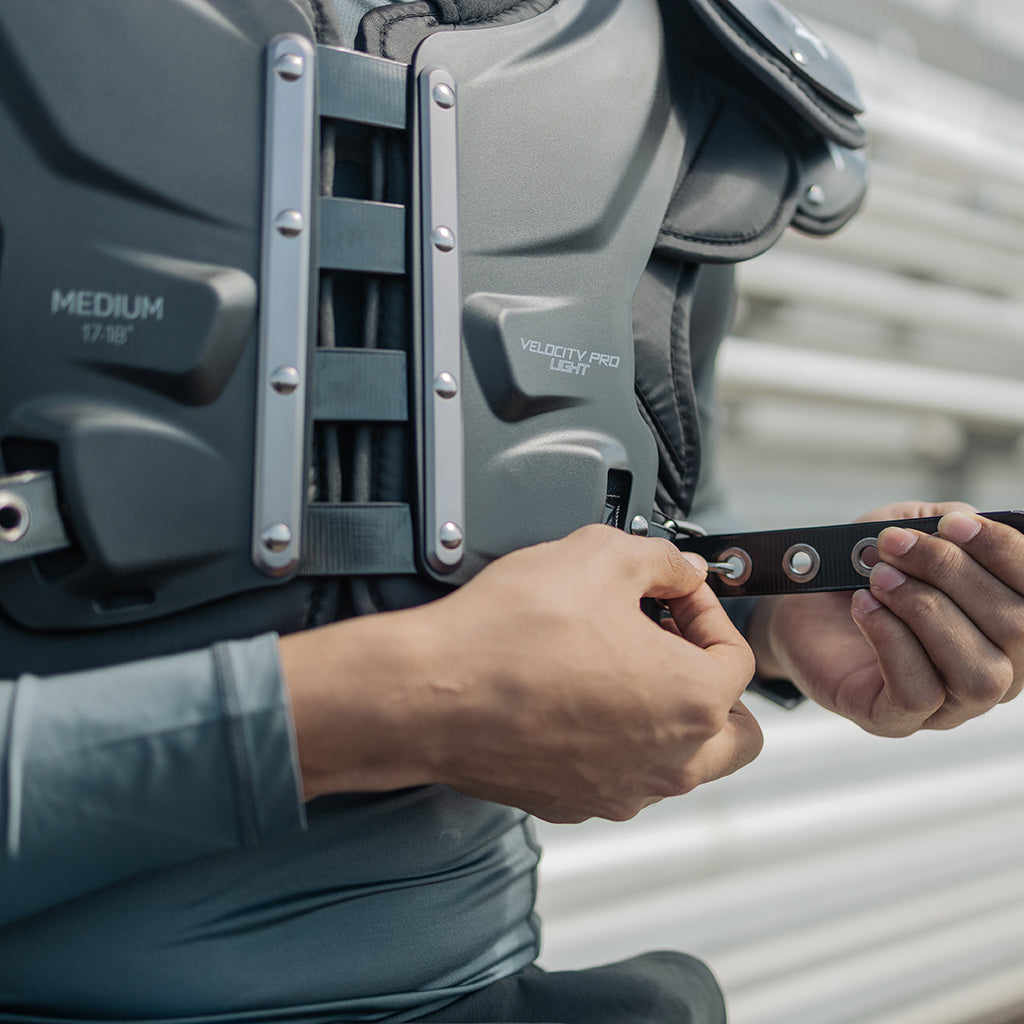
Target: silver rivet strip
x=443, y=470
x=30, y=522
x=284, y=302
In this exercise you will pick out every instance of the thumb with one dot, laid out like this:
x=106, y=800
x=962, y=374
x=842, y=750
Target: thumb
x=664, y=572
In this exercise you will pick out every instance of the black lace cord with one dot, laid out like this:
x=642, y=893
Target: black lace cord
x=363, y=601
x=325, y=469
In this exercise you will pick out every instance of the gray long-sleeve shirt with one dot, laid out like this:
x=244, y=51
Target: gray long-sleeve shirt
x=157, y=863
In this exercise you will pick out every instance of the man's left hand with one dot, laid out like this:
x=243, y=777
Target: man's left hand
x=938, y=638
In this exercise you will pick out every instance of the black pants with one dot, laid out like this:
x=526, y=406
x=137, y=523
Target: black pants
x=656, y=988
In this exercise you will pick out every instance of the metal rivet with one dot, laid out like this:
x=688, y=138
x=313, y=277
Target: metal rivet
x=285, y=379
x=14, y=517
x=639, y=527
x=289, y=223
x=276, y=537
x=798, y=56
x=450, y=535
x=443, y=238
x=816, y=195
x=445, y=385
x=443, y=95
x=290, y=66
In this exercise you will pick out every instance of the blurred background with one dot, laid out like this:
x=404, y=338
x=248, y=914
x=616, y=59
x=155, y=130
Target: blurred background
x=845, y=879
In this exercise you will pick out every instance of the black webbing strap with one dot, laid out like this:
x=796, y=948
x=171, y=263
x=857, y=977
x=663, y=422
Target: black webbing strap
x=359, y=87
x=368, y=385
x=804, y=561
x=358, y=540
x=356, y=234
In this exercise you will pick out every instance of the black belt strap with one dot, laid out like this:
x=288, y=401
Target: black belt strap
x=804, y=561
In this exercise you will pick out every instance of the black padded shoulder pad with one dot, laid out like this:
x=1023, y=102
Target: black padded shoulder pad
x=395, y=30
x=323, y=15
x=777, y=47
x=758, y=158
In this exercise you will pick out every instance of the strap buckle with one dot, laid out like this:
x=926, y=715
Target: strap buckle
x=30, y=522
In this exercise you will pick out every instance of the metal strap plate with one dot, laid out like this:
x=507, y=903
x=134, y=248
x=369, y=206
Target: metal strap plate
x=285, y=304
x=443, y=472
x=30, y=522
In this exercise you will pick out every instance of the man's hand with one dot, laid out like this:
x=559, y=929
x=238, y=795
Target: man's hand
x=540, y=684
x=938, y=638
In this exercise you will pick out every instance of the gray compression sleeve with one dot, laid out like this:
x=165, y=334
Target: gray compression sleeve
x=112, y=772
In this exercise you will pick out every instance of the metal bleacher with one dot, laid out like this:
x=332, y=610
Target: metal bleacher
x=842, y=878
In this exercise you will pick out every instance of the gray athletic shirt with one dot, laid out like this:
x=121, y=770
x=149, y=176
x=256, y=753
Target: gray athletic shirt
x=158, y=862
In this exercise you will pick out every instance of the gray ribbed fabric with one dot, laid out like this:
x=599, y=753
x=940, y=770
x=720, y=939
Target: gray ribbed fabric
x=156, y=866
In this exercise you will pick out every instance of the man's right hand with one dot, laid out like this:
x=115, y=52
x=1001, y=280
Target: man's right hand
x=539, y=684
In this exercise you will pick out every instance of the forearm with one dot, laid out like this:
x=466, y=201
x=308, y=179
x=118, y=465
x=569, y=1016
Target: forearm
x=539, y=684
x=117, y=771
x=361, y=699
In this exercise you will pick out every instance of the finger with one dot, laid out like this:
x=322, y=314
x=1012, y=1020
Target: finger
x=668, y=624
x=912, y=690
x=700, y=619
x=1000, y=550
x=658, y=569
x=995, y=546
x=913, y=510
x=965, y=563
x=648, y=566
x=736, y=745
x=975, y=673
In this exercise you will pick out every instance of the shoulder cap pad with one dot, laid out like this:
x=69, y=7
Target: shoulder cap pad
x=776, y=46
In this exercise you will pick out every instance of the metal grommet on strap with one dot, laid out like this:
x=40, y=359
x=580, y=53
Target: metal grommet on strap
x=801, y=563
x=733, y=566
x=860, y=563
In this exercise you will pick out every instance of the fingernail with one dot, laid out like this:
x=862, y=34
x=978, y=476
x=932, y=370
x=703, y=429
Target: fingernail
x=894, y=540
x=886, y=577
x=699, y=563
x=863, y=602
x=958, y=527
